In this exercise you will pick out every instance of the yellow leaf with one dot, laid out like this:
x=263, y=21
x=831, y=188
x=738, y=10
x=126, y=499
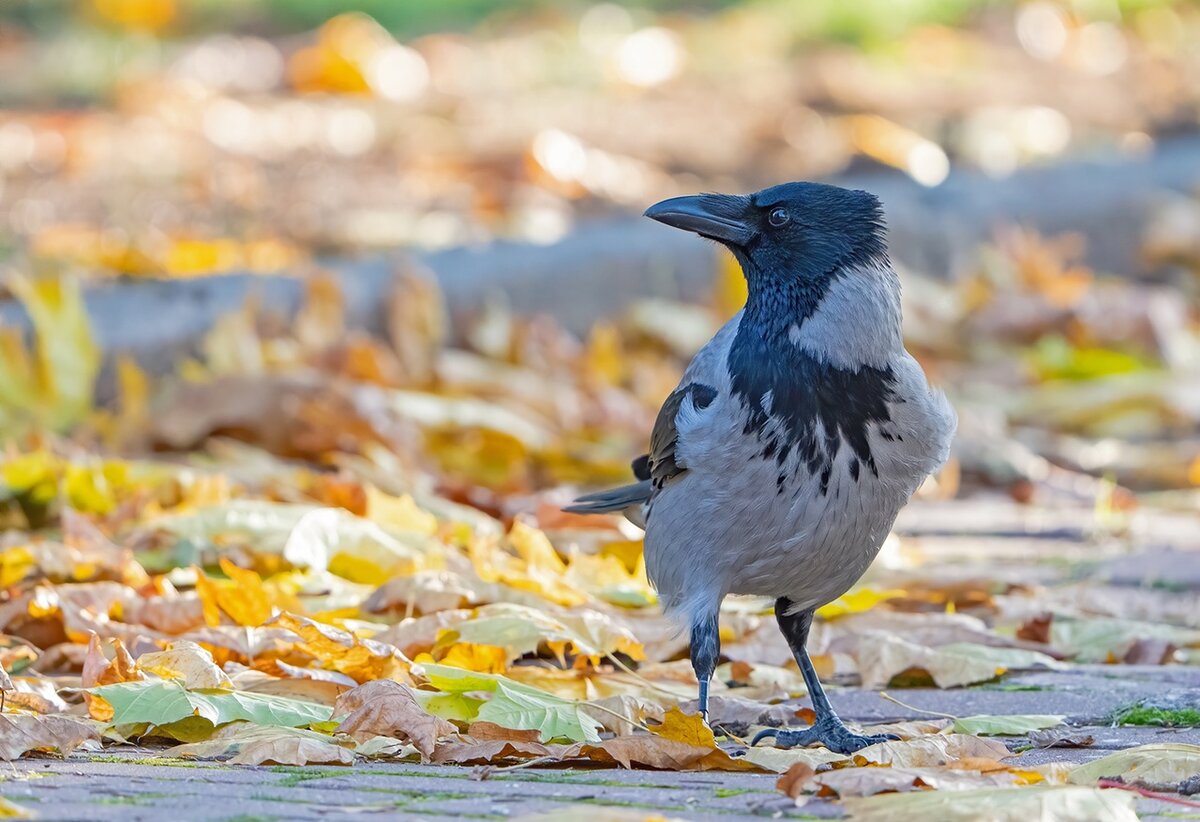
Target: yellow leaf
x=400, y=512
x=15, y=565
x=857, y=601
x=243, y=598
x=687, y=728
x=487, y=659
x=342, y=651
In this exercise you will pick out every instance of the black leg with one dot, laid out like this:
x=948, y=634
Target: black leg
x=828, y=729
x=706, y=647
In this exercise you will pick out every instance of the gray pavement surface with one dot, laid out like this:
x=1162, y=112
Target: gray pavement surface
x=143, y=784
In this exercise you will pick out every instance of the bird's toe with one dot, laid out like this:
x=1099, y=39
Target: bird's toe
x=833, y=735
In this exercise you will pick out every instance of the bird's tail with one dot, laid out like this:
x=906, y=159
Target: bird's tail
x=612, y=500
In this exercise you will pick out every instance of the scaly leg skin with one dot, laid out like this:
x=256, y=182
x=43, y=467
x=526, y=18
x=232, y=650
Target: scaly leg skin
x=828, y=730
x=705, y=648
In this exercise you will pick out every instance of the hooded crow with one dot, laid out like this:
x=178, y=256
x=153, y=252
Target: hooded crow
x=796, y=435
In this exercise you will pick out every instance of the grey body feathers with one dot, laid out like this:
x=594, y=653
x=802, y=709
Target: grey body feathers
x=790, y=496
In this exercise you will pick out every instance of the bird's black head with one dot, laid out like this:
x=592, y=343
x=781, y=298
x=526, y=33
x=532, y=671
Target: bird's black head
x=795, y=231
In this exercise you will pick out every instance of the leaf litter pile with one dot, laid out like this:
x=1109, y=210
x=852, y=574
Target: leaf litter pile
x=312, y=545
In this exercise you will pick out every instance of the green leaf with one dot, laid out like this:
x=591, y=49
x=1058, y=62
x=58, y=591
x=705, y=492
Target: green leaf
x=512, y=704
x=162, y=703
x=1163, y=763
x=516, y=706
x=458, y=707
x=1011, y=725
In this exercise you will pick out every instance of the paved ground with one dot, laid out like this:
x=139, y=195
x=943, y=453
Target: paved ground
x=140, y=785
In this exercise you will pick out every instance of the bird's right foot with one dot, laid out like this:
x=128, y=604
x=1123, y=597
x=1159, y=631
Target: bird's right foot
x=830, y=732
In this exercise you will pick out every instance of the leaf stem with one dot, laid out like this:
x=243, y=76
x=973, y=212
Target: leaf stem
x=892, y=699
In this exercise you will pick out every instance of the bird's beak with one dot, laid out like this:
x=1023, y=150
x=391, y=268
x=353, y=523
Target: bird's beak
x=721, y=217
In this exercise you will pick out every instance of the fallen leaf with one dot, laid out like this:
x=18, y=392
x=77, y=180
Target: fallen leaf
x=254, y=745
x=1161, y=763
x=928, y=751
x=159, y=703
x=21, y=733
x=468, y=751
x=689, y=729
x=361, y=659
x=242, y=598
x=1061, y=738
x=187, y=663
x=511, y=704
x=883, y=656
x=997, y=805
x=1010, y=725
x=794, y=781
x=387, y=708
x=781, y=760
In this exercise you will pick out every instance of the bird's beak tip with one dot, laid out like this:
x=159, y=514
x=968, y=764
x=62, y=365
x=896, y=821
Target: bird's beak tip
x=718, y=217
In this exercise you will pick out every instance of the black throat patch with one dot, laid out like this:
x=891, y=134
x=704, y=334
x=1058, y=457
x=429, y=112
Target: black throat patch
x=803, y=389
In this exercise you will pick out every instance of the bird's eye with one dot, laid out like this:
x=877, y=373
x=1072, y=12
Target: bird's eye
x=778, y=217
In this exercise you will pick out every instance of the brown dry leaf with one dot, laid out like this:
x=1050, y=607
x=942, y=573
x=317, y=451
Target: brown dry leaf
x=361, y=659
x=187, y=663
x=291, y=749
x=623, y=714
x=490, y=732
x=20, y=733
x=681, y=743
x=467, y=751
x=795, y=779
x=928, y=751
x=257, y=745
x=387, y=708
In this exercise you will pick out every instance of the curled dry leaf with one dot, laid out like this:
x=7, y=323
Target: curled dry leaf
x=98, y=669
x=928, y=751
x=883, y=656
x=255, y=745
x=361, y=659
x=780, y=760
x=794, y=781
x=681, y=743
x=387, y=708
x=187, y=663
x=20, y=733
x=1061, y=738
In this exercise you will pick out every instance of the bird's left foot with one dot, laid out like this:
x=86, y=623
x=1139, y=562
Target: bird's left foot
x=830, y=732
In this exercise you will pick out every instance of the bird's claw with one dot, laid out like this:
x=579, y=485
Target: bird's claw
x=832, y=734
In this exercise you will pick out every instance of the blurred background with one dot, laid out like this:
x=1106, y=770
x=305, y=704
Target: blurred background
x=344, y=254
x=179, y=137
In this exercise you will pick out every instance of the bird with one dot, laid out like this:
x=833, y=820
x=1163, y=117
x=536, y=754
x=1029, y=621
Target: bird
x=778, y=465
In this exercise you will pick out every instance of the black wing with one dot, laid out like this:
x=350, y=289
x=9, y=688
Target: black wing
x=660, y=465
